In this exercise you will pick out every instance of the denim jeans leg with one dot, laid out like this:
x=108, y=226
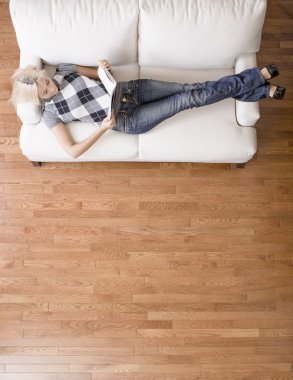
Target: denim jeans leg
x=135, y=93
x=144, y=117
x=149, y=90
x=249, y=85
x=256, y=94
x=230, y=86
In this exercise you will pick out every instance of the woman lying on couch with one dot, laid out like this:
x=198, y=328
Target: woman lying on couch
x=75, y=93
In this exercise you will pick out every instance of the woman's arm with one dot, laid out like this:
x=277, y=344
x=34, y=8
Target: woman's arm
x=92, y=72
x=76, y=149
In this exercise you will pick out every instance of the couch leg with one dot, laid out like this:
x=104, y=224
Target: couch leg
x=36, y=164
x=238, y=166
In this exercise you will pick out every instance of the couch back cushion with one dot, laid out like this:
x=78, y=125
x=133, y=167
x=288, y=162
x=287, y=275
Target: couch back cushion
x=195, y=34
x=77, y=31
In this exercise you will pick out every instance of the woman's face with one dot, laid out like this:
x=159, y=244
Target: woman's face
x=46, y=88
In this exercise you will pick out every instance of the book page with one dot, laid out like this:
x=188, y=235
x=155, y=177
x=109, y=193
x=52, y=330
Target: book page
x=110, y=84
x=107, y=79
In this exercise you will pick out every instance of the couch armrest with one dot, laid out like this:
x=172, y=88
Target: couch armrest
x=247, y=113
x=27, y=112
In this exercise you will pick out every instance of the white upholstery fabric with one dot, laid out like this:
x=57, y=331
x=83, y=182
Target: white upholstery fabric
x=196, y=138
x=198, y=33
x=205, y=134
x=77, y=31
x=38, y=143
x=247, y=113
x=29, y=113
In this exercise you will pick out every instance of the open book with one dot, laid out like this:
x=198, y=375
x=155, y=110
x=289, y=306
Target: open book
x=110, y=84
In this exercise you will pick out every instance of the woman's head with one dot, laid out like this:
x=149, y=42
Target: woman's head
x=31, y=84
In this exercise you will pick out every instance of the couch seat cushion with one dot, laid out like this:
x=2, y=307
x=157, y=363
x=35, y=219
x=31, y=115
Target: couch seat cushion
x=38, y=143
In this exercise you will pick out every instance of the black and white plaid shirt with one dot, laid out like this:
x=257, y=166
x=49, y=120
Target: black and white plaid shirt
x=78, y=98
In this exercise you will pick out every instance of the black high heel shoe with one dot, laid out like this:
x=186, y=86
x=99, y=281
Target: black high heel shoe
x=273, y=70
x=279, y=93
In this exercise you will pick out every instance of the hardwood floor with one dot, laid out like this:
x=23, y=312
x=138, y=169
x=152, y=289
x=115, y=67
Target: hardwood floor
x=130, y=271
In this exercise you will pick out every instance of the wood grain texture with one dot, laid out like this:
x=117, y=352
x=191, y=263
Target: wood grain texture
x=149, y=271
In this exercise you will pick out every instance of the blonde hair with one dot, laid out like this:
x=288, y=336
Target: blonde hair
x=24, y=85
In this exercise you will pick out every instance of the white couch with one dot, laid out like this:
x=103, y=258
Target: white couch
x=176, y=40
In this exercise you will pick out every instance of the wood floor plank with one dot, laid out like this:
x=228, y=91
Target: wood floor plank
x=149, y=271
x=45, y=376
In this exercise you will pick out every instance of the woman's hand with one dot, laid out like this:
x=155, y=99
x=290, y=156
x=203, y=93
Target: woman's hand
x=105, y=64
x=109, y=122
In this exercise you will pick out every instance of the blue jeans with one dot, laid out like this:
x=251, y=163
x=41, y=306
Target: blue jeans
x=145, y=103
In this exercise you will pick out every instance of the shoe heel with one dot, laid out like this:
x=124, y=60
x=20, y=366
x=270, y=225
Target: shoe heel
x=279, y=93
x=273, y=70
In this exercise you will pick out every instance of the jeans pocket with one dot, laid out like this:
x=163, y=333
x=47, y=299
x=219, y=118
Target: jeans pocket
x=131, y=93
x=128, y=98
